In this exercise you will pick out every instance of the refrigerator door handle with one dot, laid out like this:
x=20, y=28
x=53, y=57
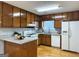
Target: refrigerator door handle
x=70, y=33
x=64, y=31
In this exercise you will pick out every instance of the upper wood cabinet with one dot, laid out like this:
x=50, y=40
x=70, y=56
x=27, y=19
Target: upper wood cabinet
x=16, y=17
x=57, y=24
x=32, y=17
x=65, y=16
x=28, y=18
x=7, y=15
x=0, y=14
x=23, y=19
x=36, y=18
x=46, y=17
x=76, y=15
x=58, y=18
x=70, y=15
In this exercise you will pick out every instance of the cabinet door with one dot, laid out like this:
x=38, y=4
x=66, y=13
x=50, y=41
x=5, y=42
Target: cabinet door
x=36, y=18
x=65, y=16
x=43, y=39
x=70, y=16
x=7, y=15
x=76, y=15
x=32, y=18
x=39, y=39
x=28, y=18
x=16, y=17
x=48, y=40
x=57, y=24
x=23, y=18
x=0, y=14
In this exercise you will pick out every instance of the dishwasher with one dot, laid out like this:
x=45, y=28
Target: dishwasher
x=1, y=47
x=55, y=41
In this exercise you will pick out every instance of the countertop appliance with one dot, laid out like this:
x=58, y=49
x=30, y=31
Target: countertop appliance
x=70, y=35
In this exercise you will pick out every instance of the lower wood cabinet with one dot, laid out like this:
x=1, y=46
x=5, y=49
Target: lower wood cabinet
x=28, y=49
x=44, y=39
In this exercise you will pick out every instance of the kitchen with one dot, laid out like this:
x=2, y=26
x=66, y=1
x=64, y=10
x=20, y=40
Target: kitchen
x=33, y=32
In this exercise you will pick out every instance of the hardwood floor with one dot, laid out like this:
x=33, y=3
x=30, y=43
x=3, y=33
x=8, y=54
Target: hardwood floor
x=45, y=51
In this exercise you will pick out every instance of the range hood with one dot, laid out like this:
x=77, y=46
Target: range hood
x=33, y=25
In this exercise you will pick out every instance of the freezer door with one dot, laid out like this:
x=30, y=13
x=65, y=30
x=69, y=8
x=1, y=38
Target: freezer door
x=65, y=33
x=74, y=38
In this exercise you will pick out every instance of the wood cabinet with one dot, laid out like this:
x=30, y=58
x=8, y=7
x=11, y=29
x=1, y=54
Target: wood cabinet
x=28, y=18
x=76, y=15
x=32, y=18
x=44, y=39
x=0, y=14
x=57, y=23
x=23, y=19
x=36, y=18
x=65, y=16
x=57, y=20
x=47, y=40
x=16, y=17
x=70, y=15
x=28, y=49
x=7, y=15
x=46, y=17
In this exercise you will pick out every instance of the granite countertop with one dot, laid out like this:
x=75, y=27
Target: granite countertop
x=13, y=40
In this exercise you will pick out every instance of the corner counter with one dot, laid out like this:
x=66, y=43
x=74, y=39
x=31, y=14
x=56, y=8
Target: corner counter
x=20, y=48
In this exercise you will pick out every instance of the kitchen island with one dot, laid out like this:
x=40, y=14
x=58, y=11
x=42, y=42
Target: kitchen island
x=20, y=48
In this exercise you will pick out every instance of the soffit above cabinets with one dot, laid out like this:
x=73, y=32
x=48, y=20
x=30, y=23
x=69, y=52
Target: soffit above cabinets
x=32, y=5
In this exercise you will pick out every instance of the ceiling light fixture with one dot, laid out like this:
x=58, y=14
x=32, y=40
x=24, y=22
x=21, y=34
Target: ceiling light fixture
x=48, y=8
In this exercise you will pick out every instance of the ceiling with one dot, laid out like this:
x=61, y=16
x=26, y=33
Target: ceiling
x=32, y=5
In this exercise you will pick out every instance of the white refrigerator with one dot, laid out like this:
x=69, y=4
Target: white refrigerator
x=70, y=35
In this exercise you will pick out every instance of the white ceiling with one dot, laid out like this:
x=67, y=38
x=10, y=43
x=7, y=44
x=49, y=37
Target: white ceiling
x=31, y=5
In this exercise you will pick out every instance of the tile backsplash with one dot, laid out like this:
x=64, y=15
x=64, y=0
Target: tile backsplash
x=10, y=31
